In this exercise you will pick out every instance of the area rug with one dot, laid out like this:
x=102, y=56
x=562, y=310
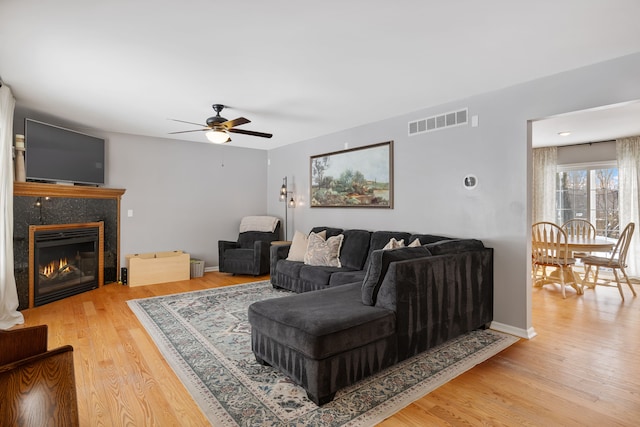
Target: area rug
x=205, y=337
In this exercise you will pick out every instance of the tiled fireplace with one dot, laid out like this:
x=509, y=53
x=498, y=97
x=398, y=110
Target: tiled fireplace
x=64, y=260
x=50, y=211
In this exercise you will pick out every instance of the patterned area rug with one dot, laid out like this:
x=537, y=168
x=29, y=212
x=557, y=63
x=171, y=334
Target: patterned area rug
x=206, y=338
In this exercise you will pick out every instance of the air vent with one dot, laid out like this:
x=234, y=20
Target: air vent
x=441, y=121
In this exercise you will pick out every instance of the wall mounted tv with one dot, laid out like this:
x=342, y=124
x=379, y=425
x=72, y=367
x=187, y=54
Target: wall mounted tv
x=61, y=155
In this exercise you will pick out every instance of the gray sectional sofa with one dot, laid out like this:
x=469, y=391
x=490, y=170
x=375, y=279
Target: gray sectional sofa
x=355, y=255
x=403, y=302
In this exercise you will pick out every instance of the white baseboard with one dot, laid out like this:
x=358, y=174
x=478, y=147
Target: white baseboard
x=518, y=332
x=209, y=269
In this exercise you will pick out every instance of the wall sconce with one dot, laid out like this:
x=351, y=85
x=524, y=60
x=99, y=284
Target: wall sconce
x=38, y=204
x=284, y=193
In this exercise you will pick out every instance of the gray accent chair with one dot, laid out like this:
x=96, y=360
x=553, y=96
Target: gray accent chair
x=249, y=255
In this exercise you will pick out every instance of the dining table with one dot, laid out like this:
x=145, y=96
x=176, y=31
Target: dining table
x=580, y=244
x=589, y=244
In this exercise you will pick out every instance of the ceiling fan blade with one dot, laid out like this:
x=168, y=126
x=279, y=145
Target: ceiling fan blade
x=185, y=131
x=250, y=132
x=191, y=123
x=236, y=122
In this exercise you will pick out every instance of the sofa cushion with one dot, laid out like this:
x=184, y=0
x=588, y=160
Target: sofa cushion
x=380, y=238
x=330, y=231
x=317, y=274
x=454, y=246
x=355, y=248
x=343, y=277
x=378, y=265
x=323, y=252
x=337, y=322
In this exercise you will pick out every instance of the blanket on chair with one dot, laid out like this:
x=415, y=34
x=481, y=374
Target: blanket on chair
x=258, y=223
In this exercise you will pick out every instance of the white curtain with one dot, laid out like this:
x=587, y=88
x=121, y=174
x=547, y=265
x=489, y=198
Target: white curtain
x=545, y=161
x=9, y=314
x=628, y=153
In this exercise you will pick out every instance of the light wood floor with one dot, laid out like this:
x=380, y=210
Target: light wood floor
x=582, y=369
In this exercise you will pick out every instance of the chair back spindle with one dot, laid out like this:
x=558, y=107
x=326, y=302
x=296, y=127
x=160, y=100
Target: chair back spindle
x=550, y=249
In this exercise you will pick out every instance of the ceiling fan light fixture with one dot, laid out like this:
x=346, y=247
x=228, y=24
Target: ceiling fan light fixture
x=217, y=137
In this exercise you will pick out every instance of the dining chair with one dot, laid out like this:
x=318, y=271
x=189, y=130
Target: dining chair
x=579, y=228
x=549, y=249
x=616, y=261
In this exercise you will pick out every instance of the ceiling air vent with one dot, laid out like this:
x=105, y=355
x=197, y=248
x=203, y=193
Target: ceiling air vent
x=441, y=121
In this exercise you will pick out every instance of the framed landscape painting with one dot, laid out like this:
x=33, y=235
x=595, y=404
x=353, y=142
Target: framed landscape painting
x=356, y=178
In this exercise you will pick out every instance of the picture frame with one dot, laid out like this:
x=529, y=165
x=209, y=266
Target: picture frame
x=359, y=177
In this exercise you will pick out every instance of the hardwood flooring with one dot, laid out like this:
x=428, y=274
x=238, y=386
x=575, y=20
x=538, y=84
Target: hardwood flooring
x=583, y=368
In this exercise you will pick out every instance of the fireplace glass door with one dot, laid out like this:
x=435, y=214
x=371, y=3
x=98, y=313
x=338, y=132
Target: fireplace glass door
x=65, y=263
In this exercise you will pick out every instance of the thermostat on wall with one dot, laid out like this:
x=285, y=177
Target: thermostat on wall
x=470, y=182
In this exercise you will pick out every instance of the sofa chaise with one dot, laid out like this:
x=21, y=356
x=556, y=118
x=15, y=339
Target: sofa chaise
x=409, y=300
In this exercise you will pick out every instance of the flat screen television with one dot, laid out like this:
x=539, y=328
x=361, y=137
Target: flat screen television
x=57, y=154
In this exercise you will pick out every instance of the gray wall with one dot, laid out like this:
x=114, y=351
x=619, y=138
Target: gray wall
x=183, y=198
x=429, y=169
x=184, y=195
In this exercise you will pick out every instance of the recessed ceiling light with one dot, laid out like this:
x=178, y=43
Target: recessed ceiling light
x=564, y=133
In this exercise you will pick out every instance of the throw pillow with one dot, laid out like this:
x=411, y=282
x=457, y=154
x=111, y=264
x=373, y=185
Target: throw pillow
x=299, y=246
x=323, y=252
x=415, y=244
x=394, y=244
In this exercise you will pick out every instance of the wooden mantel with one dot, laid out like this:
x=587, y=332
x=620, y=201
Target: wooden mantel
x=36, y=189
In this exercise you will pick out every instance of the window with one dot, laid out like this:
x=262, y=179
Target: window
x=589, y=192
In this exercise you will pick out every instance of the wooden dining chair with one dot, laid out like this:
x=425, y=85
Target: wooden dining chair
x=549, y=249
x=579, y=228
x=616, y=261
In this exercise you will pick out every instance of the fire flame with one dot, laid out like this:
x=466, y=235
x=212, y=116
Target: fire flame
x=53, y=266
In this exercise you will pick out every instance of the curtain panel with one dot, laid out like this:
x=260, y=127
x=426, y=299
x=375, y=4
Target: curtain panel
x=545, y=161
x=628, y=154
x=9, y=314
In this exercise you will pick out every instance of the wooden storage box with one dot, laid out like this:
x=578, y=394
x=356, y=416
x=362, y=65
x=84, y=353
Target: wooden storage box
x=157, y=267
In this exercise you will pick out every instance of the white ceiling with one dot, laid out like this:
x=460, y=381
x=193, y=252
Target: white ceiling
x=296, y=69
x=595, y=125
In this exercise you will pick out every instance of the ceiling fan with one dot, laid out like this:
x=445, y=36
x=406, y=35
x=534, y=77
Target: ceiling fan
x=218, y=128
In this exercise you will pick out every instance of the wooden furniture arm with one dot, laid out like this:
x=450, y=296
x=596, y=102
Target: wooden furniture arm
x=40, y=390
x=21, y=343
